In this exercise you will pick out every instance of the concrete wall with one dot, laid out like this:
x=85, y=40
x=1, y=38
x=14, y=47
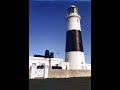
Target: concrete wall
x=61, y=73
x=65, y=64
x=88, y=66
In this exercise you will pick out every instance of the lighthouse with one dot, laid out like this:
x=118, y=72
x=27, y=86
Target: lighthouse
x=74, y=53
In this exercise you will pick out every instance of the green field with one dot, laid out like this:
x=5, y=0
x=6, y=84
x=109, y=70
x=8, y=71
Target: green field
x=81, y=83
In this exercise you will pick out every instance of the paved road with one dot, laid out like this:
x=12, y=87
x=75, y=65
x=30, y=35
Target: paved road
x=83, y=83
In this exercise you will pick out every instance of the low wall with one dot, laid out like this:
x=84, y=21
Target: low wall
x=62, y=73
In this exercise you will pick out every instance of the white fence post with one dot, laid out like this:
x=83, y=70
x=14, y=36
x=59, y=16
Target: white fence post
x=45, y=71
x=33, y=69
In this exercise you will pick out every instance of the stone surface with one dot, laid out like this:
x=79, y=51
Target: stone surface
x=60, y=73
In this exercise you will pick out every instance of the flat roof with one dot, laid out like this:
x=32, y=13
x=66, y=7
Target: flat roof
x=41, y=58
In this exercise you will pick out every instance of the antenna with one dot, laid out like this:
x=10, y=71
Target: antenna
x=58, y=54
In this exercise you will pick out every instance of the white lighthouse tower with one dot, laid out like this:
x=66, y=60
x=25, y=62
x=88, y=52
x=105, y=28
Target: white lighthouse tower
x=74, y=47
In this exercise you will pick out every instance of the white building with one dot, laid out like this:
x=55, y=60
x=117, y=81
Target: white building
x=53, y=62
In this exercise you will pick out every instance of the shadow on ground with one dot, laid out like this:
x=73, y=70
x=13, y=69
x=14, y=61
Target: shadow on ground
x=81, y=83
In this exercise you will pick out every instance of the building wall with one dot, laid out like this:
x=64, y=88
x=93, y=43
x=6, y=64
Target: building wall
x=47, y=61
x=53, y=62
x=65, y=64
x=62, y=73
x=88, y=66
x=38, y=62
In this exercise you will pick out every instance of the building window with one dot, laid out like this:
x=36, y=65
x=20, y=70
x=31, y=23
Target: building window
x=33, y=64
x=40, y=67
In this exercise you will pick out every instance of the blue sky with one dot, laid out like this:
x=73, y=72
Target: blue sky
x=47, y=26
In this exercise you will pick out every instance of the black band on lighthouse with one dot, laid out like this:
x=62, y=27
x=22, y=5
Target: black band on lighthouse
x=74, y=41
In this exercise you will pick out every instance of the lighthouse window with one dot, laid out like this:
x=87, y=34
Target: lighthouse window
x=72, y=9
x=68, y=20
x=77, y=20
